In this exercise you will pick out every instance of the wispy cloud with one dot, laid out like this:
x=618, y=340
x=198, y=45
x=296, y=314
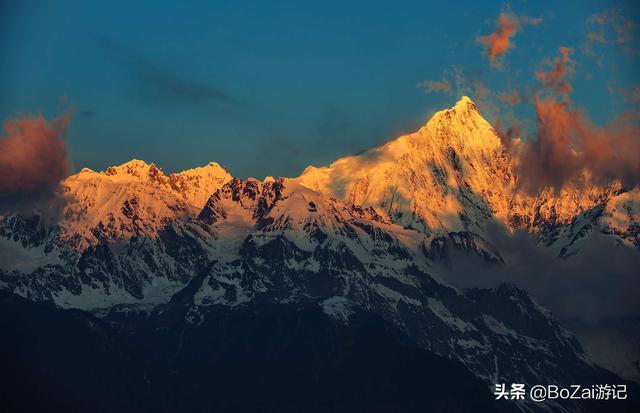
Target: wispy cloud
x=556, y=79
x=606, y=288
x=159, y=83
x=608, y=27
x=512, y=98
x=498, y=42
x=435, y=86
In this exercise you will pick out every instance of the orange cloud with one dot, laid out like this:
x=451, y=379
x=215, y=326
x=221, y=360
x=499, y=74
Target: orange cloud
x=434, y=86
x=632, y=94
x=33, y=160
x=609, y=27
x=508, y=134
x=511, y=99
x=457, y=83
x=499, y=42
x=567, y=144
x=556, y=78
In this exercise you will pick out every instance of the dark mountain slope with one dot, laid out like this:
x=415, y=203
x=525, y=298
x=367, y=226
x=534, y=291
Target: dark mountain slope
x=272, y=358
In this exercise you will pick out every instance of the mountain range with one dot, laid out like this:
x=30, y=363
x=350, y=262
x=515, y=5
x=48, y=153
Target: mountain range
x=159, y=265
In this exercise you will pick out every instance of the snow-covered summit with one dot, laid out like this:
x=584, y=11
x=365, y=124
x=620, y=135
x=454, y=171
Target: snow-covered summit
x=133, y=199
x=463, y=127
x=192, y=185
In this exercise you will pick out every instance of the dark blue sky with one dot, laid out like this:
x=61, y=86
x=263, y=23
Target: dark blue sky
x=266, y=88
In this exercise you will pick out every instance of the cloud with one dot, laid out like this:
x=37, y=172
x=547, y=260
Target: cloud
x=608, y=27
x=584, y=287
x=592, y=293
x=512, y=98
x=435, y=86
x=567, y=144
x=556, y=79
x=86, y=113
x=611, y=31
x=509, y=135
x=631, y=94
x=627, y=95
x=499, y=42
x=456, y=83
x=158, y=83
x=33, y=161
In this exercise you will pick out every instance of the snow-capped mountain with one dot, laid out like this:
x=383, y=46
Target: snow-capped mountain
x=281, y=242
x=133, y=199
x=439, y=179
x=454, y=175
x=359, y=236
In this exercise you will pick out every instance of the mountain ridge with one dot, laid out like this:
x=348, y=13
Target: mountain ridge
x=452, y=175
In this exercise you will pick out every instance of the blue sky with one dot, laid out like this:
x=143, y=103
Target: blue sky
x=266, y=88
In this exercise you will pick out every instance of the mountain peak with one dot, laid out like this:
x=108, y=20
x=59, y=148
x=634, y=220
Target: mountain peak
x=464, y=108
x=134, y=168
x=464, y=100
x=212, y=168
x=462, y=126
x=197, y=184
x=135, y=164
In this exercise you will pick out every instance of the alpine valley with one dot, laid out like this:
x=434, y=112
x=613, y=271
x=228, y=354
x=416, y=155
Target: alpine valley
x=198, y=291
